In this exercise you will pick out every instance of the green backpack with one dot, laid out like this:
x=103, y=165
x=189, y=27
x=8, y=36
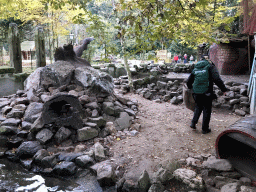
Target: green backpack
x=201, y=73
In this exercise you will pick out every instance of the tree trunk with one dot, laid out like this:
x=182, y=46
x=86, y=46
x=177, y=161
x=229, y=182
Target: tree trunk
x=15, y=49
x=40, y=48
x=126, y=64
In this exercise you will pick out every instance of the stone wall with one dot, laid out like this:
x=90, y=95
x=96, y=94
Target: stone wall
x=10, y=82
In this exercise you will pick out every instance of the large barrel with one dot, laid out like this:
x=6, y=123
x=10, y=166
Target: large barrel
x=238, y=145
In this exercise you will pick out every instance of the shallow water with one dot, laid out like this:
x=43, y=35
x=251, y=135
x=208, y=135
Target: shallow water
x=13, y=178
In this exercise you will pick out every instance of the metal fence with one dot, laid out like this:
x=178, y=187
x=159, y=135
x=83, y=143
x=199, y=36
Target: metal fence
x=252, y=87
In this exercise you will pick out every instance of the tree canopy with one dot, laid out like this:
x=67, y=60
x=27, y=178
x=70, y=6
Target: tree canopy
x=145, y=25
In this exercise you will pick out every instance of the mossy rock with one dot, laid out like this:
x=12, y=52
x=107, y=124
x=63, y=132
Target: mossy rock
x=21, y=77
x=4, y=70
x=96, y=66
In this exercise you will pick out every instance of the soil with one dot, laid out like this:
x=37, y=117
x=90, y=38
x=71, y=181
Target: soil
x=165, y=135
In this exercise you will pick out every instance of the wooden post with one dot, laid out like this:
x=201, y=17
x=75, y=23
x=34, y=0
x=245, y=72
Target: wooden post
x=15, y=49
x=40, y=48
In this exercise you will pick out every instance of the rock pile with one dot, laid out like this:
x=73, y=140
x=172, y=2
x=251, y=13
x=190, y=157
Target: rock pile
x=199, y=173
x=163, y=89
x=64, y=121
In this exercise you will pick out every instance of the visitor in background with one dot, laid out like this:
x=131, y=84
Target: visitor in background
x=176, y=58
x=191, y=58
x=185, y=58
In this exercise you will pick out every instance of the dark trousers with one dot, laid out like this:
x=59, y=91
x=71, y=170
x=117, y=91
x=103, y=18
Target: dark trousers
x=203, y=103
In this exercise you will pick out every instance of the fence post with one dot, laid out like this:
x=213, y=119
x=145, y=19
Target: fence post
x=40, y=48
x=15, y=49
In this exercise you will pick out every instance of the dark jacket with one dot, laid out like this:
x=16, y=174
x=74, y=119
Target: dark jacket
x=214, y=77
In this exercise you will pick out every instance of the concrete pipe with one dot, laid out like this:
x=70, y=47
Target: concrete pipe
x=238, y=145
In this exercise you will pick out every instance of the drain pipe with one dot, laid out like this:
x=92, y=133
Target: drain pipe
x=238, y=145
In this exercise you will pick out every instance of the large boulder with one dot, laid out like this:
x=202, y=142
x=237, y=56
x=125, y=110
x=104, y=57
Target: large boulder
x=64, y=72
x=56, y=74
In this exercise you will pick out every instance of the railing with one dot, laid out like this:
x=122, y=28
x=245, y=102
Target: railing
x=252, y=87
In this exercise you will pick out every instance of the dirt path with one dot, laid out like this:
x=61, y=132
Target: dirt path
x=165, y=135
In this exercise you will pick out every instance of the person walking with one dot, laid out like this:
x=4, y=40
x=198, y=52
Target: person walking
x=185, y=58
x=176, y=58
x=201, y=82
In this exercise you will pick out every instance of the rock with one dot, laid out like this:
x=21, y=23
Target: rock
x=174, y=100
x=31, y=95
x=65, y=168
x=247, y=189
x=162, y=175
x=231, y=187
x=20, y=107
x=156, y=187
x=232, y=175
x=4, y=103
x=244, y=99
x=79, y=148
x=243, y=91
x=100, y=121
x=25, y=125
x=92, y=105
x=49, y=161
x=144, y=182
x=95, y=113
x=161, y=84
x=134, y=133
x=44, y=136
x=84, y=161
x=3, y=141
x=111, y=128
x=246, y=181
x=108, y=108
x=99, y=152
x=11, y=122
x=68, y=156
x=105, y=173
x=6, y=109
x=221, y=181
x=89, y=77
x=15, y=113
x=123, y=122
x=217, y=164
x=28, y=149
x=62, y=134
x=32, y=111
x=14, y=142
x=130, y=112
x=40, y=154
x=189, y=177
x=27, y=164
x=8, y=130
x=55, y=75
x=148, y=95
x=37, y=125
x=12, y=156
x=86, y=133
x=234, y=101
x=240, y=112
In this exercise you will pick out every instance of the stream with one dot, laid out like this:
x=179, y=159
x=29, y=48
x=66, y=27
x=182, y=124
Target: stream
x=13, y=178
